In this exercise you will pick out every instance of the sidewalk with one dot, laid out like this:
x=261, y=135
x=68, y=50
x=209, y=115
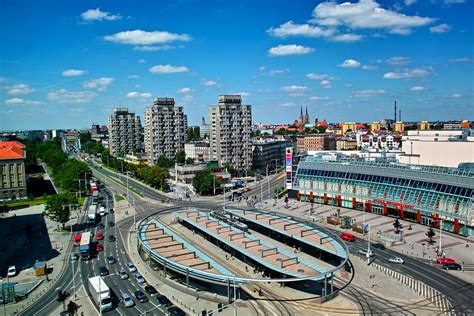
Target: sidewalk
x=454, y=246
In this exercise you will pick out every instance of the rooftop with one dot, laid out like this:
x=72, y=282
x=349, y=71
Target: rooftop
x=12, y=150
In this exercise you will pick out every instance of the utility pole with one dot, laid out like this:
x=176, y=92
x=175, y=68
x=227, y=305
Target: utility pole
x=235, y=297
x=214, y=183
x=73, y=276
x=440, y=235
x=368, y=245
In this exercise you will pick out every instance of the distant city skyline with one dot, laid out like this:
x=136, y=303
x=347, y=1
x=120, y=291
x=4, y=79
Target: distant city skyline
x=66, y=65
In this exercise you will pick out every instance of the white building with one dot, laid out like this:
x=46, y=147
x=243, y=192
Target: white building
x=230, y=132
x=165, y=129
x=199, y=151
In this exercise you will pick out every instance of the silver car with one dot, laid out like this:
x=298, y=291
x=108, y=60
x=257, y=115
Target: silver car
x=123, y=275
x=131, y=267
x=140, y=279
x=127, y=300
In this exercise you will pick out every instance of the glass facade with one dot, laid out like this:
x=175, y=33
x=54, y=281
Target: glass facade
x=423, y=194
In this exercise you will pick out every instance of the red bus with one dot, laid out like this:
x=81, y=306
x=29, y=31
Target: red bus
x=77, y=240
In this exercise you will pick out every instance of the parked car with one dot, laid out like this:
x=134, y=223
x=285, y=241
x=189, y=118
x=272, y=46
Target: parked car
x=99, y=247
x=127, y=300
x=123, y=275
x=111, y=238
x=176, y=311
x=163, y=301
x=103, y=271
x=378, y=246
x=452, y=266
x=348, y=237
x=111, y=260
x=74, y=256
x=150, y=290
x=396, y=260
x=111, y=223
x=100, y=236
x=11, y=272
x=141, y=297
x=131, y=267
x=445, y=260
x=364, y=252
x=100, y=226
x=139, y=278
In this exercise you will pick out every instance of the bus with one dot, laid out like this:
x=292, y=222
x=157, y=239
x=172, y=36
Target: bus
x=77, y=240
x=91, y=215
x=85, y=245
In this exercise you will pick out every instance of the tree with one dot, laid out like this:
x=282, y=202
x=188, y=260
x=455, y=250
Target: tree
x=165, y=162
x=180, y=156
x=430, y=234
x=72, y=308
x=204, y=182
x=155, y=176
x=397, y=226
x=189, y=161
x=230, y=169
x=58, y=207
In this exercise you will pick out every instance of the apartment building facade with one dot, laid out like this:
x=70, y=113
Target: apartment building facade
x=165, y=129
x=124, y=132
x=230, y=129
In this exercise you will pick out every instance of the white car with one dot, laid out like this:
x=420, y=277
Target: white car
x=11, y=271
x=364, y=252
x=396, y=260
x=131, y=267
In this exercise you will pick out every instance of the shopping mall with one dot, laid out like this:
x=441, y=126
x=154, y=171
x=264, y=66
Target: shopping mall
x=428, y=195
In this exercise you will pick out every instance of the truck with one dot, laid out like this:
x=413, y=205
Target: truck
x=100, y=293
x=95, y=196
x=91, y=213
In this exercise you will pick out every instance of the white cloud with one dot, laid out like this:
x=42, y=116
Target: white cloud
x=369, y=67
x=261, y=68
x=167, y=69
x=285, y=50
x=409, y=2
x=291, y=29
x=274, y=72
x=313, y=76
x=294, y=88
x=100, y=84
x=210, y=83
x=73, y=72
x=242, y=94
x=398, y=61
x=456, y=95
x=366, y=15
x=288, y=104
x=439, y=29
x=317, y=98
x=417, y=89
x=133, y=76
x=97, y=15
x=325, y=82
x=350, y=63
x=20, y=101
x=368, y=93
x=19, y=89
x=152, y=48
x=142, y=61
x=66, y=96
x=185, y=90
x=347, y=38
x=460, y=60
x=454, y=1
x=412, y=73
x=135, y=94
x=139, y=37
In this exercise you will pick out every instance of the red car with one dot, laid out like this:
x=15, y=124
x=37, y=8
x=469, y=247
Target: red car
x=348, y=237
x=445, y=261
x=99, y=247
x=100, y=236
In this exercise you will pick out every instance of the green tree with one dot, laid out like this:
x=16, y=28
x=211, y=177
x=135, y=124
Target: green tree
x=430, y=234
x=85, y=137
x=180, y=157
x=189, y=161
x=155, y=176
x=203, y=182
x=165, y=162
x=58, y=207
x=230, y=169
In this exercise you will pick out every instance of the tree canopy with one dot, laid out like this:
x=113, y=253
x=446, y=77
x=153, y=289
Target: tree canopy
x=203, y=182
x=58, y=207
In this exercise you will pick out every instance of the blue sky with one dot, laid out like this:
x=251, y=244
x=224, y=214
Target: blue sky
x=66, y=64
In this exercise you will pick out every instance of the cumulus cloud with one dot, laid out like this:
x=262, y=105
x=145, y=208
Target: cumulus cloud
x=288, y=104
x=366, y=15
x=318, y=98
x=294, y=89
x=417, y=89
x=368, y=93
x=100, y=84
x=185, y=90
x=409, y=2
x=19, y=89
x=142, y=61
x=412, y=73
x=152, y=48
x=210, y=83
x=350, y=63
x=167, y=69
x=439, y=29
x=460, y=60
x=347, y=38
x=285, y=50
x=314, y=76
x=291, y=29
x=274, y=72
x=71, y=97
x=135, y=94
x=398, y=61
x=456, y=95
x=98, y=15
x=139, y=37
x=133, y=76
x=20, y=101
x=325, y=83
x=369, y=67
x=242, y=94
x=73, y=72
